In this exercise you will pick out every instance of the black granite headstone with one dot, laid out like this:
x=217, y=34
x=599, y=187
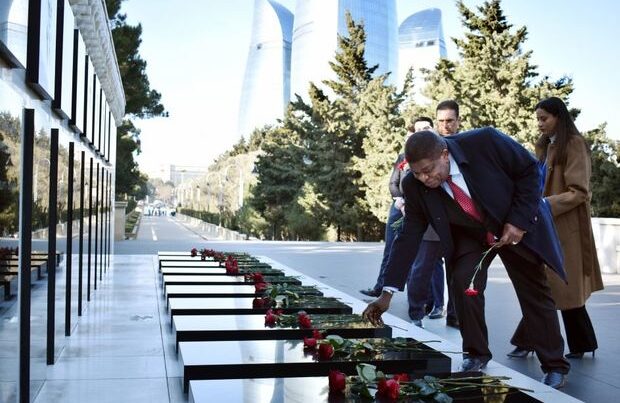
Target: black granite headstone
x=224, y=291
x=287, y=358
x=224, y=280
x=252, y=327
x=245, y=306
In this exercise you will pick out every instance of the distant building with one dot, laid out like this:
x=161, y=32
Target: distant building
x=183, y=173
x=421, y=45
x=266, y=85
x=315, y=34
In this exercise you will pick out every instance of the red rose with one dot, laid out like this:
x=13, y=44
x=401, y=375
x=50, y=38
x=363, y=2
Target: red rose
x=309, y=343
x=270, y=318
x=317, y=334
x=194, y=252
x=389, y=388
x=304, y=320
x=258, y=278
x=403, y=165
x=471, y=292
x=260, y=287
x=261, y=302
x=337, y=381
x=401, y=377
x=326, y=351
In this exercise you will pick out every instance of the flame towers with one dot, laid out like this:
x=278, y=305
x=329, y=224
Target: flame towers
x=266, y=90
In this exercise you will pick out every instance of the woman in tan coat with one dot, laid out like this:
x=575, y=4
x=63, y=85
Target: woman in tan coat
x=565, y=161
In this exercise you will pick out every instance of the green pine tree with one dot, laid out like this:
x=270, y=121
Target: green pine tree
x=494, y=80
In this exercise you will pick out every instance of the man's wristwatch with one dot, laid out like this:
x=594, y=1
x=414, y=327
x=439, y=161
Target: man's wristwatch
x=389, y=291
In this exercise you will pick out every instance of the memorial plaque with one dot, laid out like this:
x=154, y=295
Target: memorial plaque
x=215, y=271
x=316, y=390
x=252, y=327
x=287, y=358
x=224, y=280
x=224, y=291
x=245, y=306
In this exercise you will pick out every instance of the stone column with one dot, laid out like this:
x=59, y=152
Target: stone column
x=119, y=220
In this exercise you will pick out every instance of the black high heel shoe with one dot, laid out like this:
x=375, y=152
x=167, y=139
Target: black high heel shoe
x=579, y=355
x=519, y=352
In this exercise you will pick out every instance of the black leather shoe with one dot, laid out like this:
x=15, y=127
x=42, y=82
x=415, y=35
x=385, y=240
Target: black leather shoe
x=436, y=313
x=519, y=352
x=371, y=293
x=452, y=322
x=578, y=355
x=554, y=379
x=473, y=364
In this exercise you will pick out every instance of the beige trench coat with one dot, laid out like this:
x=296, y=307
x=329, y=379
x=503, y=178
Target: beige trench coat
x=567, y=189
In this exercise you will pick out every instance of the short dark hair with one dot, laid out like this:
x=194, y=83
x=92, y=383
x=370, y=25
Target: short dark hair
x=411, y=127
x=424, y=144
x=448, y=104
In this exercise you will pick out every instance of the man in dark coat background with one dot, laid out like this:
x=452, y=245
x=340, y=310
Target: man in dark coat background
x=480, y=188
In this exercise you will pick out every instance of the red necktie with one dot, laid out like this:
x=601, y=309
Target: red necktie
x=468, y=205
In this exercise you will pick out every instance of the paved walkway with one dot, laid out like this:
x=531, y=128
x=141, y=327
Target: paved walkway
x=122, y=348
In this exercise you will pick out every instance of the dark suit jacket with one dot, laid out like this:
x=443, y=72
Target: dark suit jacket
x=503, y=180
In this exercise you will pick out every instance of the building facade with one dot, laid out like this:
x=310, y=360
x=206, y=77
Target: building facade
x=61, y=99
x=266, y=84
x=315, y=38
x=420, y=46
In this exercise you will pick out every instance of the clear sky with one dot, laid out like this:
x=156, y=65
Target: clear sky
x=196, y=52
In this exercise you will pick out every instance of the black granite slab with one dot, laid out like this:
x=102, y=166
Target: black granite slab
x=252, y=327
x=223, y=280
x=223, y=291
x=315, y=390
x=209, y=264
x=287, y=358
x=243, y=306
x=215, y=271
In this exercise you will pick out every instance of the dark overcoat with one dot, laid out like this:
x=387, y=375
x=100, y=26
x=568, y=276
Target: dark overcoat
x=503, y=180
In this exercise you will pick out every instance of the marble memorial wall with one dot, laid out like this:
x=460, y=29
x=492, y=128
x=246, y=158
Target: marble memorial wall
x=46, y=71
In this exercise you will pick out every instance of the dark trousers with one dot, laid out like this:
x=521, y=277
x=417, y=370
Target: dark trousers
x=435, y=297
x=390, y=233
x=423, y=277
x=530, y=283
x=580, y=335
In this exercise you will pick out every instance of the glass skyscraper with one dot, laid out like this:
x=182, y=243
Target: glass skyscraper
x=266, y=90
x=421, y=45
x=317, y=23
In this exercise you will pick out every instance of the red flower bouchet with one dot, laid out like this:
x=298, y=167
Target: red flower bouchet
x=326, y=351
x=389, y=388
x=304, y=320
x=271, y=318
x=194, y=252
x=317, y=334
x=471, y=291
x=232, y=267
x=260, y=287
x=337, y=381
x=255, y=277
x=309, y=343
x=261, y=302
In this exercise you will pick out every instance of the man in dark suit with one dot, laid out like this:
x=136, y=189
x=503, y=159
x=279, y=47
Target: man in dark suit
x=480, y=188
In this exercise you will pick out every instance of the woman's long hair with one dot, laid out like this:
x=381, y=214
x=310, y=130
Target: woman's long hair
x=565, y=128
